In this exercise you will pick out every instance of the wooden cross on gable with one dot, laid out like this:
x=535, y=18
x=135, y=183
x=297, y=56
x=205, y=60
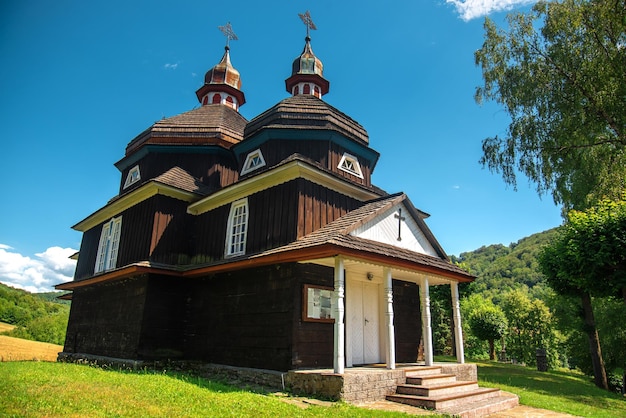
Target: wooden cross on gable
x=400, y=218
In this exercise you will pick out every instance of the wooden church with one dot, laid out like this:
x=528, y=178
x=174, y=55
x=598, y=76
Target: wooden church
x=260, y=244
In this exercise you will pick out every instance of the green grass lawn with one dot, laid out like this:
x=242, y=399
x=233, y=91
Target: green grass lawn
x=35, y=389
x=561, y=391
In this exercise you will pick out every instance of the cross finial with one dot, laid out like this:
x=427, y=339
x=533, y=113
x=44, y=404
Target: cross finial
x=227, y=30
x=308, y=22
x=400, y=218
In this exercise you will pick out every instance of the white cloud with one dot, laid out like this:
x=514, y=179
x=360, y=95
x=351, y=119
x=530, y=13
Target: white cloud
x=472, y=9
x=40, y=274
x=170, y=66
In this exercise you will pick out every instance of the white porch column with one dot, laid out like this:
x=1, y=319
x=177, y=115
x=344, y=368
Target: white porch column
x=390, y=354
x=427, y=332
x=339, y=360
x=456, y=316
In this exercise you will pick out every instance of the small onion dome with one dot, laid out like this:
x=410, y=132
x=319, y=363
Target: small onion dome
x=222, y=84
x=307, y=74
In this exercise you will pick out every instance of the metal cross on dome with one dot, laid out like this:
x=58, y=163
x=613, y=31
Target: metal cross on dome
x=227, y=30
x=308, y=22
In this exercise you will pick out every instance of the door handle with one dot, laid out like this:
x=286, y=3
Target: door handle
x=366, y=321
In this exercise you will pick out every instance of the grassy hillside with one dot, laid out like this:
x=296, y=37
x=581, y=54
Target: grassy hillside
x=500, y=268
x=35, y=317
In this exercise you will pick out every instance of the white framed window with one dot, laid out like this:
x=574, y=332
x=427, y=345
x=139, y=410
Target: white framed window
x=109, y=244
x=133, y=176
x=350, y=164
x=253, y=161
x=237, y=228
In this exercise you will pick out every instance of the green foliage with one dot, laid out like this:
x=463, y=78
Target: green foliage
x=589, y=252
x=502, y=268
x=488, y=322
x=531, y=326
x=559, y=73
x=36, y=318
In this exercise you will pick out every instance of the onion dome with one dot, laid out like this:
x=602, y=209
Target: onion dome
x=307, y=74
x=222, y=85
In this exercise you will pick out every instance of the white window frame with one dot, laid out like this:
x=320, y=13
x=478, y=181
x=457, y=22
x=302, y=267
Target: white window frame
x=254, y=160
x=134, y=175
x=108, y=247
x=350, y=164
x=237, y=229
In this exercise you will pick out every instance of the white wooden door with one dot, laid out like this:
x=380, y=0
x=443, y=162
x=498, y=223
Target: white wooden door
x=363, y=311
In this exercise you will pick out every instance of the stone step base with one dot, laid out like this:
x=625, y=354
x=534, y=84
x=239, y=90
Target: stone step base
x=446, y=401
x=437, y=390
x=485, y=407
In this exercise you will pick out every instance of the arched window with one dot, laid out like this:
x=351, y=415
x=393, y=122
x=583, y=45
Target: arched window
x=307, y=89
x=205, y=100
x=217, y=98
x=296, y=90
x=317, y=92
x=229, y=101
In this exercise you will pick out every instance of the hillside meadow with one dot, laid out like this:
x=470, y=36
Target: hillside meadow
x=18, y=349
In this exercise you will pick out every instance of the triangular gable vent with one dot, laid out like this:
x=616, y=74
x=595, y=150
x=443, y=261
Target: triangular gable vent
x=396, y=227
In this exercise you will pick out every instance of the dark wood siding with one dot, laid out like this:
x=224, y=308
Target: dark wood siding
x=312, y=341
x=106, y=320
x=156, y=229
x=209, y=235
x=272, y=218
x=171, y=239
x=164, y=319
x=327, y=153
x=215, y=170
x=407, y=320
x=318, y=205
x=243, y=318
x=88, y=253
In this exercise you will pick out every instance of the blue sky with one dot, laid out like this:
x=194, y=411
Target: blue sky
x=80, y=79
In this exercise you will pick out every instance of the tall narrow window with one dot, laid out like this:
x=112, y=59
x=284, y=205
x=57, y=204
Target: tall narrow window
x=217, y=99
x=350, y=164
x=109, y=244
x=133, y=176
x=237, y=228
x=253, y=161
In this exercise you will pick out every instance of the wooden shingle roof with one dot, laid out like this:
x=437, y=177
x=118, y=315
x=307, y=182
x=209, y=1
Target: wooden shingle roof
x=307, y=112
x=181, y=179
x=205, y=125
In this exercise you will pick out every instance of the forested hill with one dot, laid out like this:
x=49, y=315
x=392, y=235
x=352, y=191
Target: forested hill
x=39, y=317
x=501, y=268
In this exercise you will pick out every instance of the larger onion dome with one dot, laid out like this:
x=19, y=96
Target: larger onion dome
x=307, y=74
x=222, y=85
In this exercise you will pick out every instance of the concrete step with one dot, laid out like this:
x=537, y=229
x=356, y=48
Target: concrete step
x=485, y=407
x=437, y=390
x=433, y=380
x=446, y=401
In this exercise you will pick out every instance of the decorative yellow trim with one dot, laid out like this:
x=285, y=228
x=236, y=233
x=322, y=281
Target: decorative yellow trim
x=131, y=199
x=274, y=177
